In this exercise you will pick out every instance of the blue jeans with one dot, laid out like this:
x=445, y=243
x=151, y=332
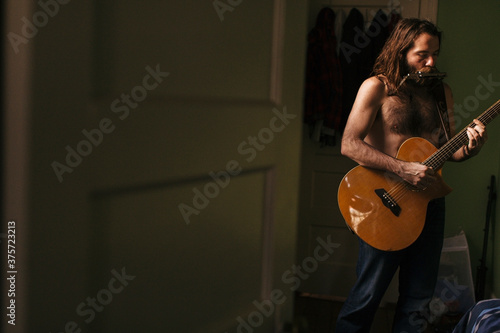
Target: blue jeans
x=418, y=268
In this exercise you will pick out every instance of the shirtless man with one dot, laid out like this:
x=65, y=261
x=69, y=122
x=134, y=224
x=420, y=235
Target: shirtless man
x=386, y=113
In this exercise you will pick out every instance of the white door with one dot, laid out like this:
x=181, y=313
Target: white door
x=153, y=155
x=322, y=170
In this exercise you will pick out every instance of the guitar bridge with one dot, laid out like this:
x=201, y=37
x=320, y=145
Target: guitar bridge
x=388, y=201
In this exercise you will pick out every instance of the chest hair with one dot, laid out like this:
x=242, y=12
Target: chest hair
x=412, y=113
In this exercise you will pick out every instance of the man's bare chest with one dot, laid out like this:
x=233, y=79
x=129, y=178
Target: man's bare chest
x=413, y=114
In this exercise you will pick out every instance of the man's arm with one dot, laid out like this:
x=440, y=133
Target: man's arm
x=477, y=135
x=371, y=96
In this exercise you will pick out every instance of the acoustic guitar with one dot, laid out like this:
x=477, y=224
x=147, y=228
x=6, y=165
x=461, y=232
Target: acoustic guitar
x=385, y=211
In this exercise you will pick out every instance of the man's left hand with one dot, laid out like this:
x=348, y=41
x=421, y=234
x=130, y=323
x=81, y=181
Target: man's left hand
x=477, y=137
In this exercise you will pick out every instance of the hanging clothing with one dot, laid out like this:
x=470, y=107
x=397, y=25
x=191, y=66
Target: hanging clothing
x=323, y=89
x=340, y=17
x=377, y=32
x=352, y=43
x=395, y=17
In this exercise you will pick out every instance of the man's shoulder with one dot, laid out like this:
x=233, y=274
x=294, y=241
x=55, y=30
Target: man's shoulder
x=372, y=94
x=376, y=85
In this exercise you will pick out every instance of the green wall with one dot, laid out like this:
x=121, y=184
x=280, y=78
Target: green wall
x=469, y=54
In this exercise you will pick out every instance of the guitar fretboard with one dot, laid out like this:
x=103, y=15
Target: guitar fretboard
x=437, y=159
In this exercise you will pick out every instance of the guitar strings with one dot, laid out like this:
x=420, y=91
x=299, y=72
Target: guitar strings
x=437, y=159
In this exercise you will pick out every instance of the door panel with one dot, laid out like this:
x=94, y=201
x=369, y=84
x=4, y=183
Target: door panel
x=209, y=268
x=164, y=145
x=207, y=57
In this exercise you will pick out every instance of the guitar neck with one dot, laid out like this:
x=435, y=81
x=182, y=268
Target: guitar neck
x=437, y=160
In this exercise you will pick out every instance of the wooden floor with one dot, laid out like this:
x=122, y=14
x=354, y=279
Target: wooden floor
x=315, y=314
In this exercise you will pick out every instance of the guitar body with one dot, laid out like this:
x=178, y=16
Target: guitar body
x=381, y=208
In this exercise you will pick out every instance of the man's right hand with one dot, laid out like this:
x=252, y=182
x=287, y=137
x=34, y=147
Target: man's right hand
x=417, y=174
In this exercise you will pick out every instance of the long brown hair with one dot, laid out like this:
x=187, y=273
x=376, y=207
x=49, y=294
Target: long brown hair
x=391, y=61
